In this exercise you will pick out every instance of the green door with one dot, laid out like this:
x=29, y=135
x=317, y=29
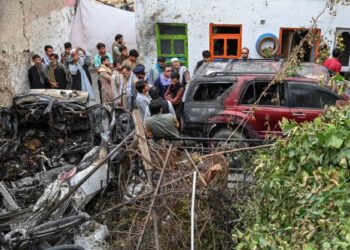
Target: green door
x=172, y=41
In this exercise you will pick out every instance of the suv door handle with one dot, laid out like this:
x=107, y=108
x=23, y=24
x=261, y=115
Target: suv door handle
x=299, y=114
x=248, y=112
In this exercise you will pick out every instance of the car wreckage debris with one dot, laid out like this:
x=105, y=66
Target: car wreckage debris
x=74, y=176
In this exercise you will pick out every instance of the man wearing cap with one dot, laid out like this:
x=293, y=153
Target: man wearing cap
x=185, y=76
x=139, y=72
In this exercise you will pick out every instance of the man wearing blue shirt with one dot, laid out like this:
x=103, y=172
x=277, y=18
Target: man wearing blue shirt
x=101, y=47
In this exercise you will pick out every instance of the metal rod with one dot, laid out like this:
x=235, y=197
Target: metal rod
x=192, y=208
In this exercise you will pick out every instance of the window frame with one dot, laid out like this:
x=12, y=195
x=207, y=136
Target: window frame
x=172, y=38
x=225, y=37
x=343, y=30
x=309, y=86
x=317, y=45
x=245, y=89
x=195, y=89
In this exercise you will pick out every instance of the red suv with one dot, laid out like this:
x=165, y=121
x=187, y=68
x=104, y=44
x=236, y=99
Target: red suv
x=221, y=95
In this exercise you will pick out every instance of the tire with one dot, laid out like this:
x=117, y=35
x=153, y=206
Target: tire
x=66, y=247
x=235, y=162
x=227, y=133
x=267, y=37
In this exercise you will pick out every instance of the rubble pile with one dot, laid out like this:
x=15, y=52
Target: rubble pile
x=160, y=218
x=74, y=176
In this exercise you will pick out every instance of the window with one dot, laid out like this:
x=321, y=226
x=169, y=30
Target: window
x=172, y=41
x=291, y=37
x=274, y=96
x=311, y=97
x=210, y=91
x=225, y=41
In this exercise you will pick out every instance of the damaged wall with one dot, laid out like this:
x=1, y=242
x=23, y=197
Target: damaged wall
x=250, y=13
x=25, y=28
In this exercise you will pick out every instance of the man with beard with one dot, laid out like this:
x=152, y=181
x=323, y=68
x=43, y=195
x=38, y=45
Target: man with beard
x=101, y=48
x=46, y=58
x=36, y=75
x=118, y=42
x=185, y=77
x=105, y=74
x=127, y=88
x=57, y=73
x=132, y=59
x=66, y=58
x=80, y=80
x=163, y=81
x=115, y=81
x=175, y=93
x=206, y=58
x=157, y=70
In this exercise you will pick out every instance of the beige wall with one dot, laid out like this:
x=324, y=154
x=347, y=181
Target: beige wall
x=25, y=28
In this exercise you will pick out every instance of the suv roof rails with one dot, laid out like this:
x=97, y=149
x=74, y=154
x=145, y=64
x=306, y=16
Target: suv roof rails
x=222, y=73
x=257, y=59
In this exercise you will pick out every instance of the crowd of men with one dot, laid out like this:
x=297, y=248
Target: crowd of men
x=122, y=81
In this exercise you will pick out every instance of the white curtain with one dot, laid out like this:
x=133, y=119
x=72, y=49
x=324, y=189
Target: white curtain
x=96, y=22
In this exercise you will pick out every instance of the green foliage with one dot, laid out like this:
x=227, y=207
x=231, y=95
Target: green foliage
x=339, y=42
x=302, y=196
x=268, y=52
x=339, y=84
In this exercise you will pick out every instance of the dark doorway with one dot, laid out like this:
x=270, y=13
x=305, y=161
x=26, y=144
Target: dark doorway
x=291, y=37
x=344, y=59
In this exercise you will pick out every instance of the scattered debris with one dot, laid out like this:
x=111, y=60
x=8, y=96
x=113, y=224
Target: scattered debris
x=85, y=177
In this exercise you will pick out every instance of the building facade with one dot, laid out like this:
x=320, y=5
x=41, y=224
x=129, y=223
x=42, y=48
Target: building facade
x=185, y=28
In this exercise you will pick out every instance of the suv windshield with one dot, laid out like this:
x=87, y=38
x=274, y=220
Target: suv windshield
x=314, y=71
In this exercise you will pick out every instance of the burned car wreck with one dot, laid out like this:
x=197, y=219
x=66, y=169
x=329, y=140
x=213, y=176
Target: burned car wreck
x=52, y=141
x=82, y=176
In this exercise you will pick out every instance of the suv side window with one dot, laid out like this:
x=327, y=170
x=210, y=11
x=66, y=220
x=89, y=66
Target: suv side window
x=210, y=91
x=311, y=96
x=274, y=96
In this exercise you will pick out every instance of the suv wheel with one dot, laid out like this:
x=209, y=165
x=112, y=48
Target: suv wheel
x=236, y=160
x=226, y=133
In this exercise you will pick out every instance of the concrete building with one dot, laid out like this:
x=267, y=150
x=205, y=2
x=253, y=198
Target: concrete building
x=186, y=28
x=25, y=28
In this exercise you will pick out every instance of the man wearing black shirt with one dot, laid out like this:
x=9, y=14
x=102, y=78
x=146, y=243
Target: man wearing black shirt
x=36, y=75
x=57, y=73
x=206, y=58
